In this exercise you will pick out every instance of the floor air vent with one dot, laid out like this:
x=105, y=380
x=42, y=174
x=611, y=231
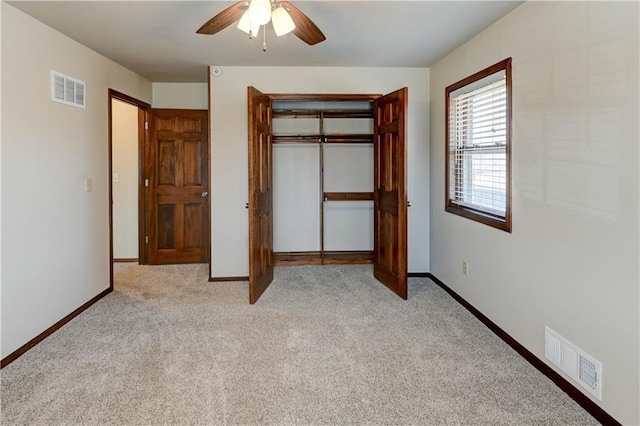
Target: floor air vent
x=67, y=90
x=580, y=366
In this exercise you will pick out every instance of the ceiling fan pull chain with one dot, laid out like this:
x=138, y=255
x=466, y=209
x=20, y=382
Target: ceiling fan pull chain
x=264, y=38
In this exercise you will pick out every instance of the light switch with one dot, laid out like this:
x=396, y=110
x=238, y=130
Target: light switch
x=88, y=184
x=116, y=178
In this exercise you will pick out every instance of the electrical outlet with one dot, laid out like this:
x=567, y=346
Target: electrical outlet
x=88, y=184
x=465, y=267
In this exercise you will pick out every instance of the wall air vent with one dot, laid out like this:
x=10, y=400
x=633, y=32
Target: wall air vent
x=581, y=367
x=67, y=90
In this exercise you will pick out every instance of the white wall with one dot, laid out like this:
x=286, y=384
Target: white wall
x=180, y=95
x=572, y=261
x=55, y=238
x=124, y=148
x=296, y=198
x=229, y=251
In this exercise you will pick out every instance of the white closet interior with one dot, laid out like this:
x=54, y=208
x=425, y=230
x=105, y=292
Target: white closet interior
x=322, y=181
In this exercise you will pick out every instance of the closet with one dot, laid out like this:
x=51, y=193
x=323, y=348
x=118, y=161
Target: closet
x=327, y=184
x=323, y=181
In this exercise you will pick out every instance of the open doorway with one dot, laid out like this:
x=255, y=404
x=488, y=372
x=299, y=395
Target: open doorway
x=159, y=183
x=124, y=179
x=126, y=141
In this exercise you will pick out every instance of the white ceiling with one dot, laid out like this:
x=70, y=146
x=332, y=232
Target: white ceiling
x=158, y=40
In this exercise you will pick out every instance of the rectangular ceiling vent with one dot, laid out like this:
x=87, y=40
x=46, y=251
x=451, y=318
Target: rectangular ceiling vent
x=67, y=90
x=577, y=364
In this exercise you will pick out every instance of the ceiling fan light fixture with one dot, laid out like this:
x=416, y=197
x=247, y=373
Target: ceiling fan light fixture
x=282, y=22
x=250, y=15
x=260, y=11
x=248, y=26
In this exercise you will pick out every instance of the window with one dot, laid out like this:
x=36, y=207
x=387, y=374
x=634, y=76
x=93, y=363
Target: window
x=478, y=147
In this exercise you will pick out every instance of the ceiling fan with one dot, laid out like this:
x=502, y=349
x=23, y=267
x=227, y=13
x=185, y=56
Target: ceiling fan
x=252, y=14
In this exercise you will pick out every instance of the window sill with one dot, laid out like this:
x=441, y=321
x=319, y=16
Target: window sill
x=502, y=223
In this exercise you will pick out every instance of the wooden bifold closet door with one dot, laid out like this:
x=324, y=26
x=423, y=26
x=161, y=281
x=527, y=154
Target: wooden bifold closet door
x=390, y=196
x=260, y=194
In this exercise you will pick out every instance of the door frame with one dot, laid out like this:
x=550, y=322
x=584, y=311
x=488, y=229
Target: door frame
x=402, y=203
x=142, y=108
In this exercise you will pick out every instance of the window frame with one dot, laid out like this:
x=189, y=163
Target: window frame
x=494, y=220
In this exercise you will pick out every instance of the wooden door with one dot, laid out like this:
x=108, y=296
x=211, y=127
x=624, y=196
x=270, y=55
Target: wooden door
x=390, y=197
x=177, y=185
x=260, y=194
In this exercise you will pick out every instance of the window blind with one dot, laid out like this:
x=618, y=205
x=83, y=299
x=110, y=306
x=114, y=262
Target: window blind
x=477, y=147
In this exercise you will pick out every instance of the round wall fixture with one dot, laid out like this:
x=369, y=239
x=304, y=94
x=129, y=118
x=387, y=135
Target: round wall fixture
x=216, y=71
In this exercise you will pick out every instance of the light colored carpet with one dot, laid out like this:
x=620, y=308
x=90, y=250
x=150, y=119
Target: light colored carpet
x=325, y=345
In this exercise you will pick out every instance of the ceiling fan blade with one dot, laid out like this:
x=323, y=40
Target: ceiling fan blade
x=225, y=18
x=305, y=30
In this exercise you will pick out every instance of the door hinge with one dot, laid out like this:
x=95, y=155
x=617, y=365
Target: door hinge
x=146, y=125
x=146, y=183
x=146, y=239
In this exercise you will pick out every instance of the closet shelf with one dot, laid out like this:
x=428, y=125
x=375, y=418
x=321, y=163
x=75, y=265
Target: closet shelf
x=349, y=257
x=347, y=196
x=313, y=138
x=326, y=113
x=348, y=113
x=295, y=113
x=317, y=138
x=348, y=138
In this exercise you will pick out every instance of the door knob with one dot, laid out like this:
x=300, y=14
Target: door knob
x=205, y=193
